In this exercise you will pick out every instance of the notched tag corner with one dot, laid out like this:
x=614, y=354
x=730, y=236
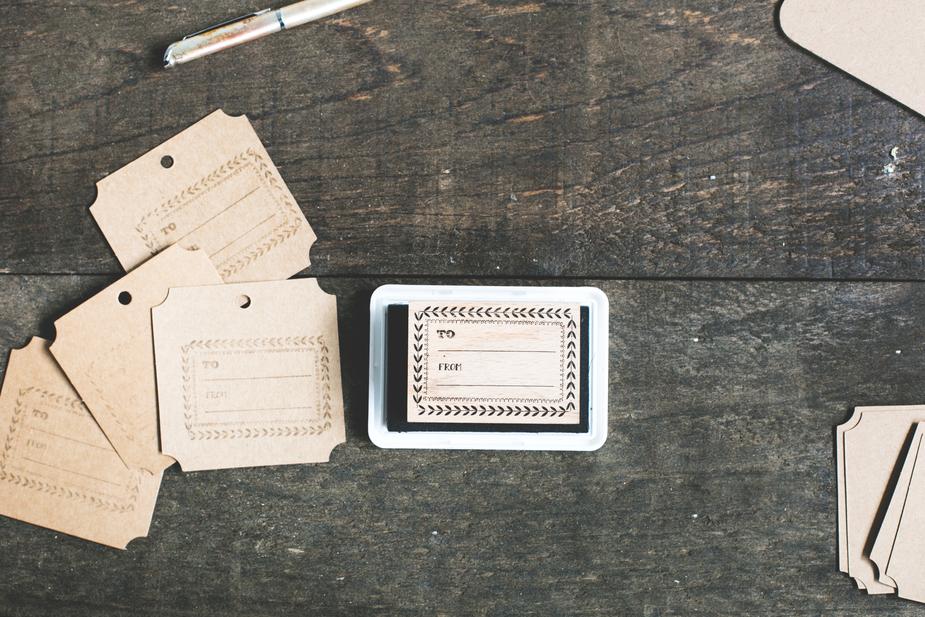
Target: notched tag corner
x=248, y=375
x=211, y=186
x=57, y=468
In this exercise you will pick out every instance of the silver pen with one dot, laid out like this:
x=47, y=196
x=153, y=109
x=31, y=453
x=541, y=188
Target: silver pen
x=251, y=27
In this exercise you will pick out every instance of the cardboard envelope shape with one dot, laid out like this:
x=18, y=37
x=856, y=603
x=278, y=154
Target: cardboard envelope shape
x=106, y=349
x=873, y=442
x=248, y=374
x=57, y=469
x=879, y=42
x=213, y=187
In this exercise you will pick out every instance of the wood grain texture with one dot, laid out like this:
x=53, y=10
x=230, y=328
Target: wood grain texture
x=714, y=494
x=595, y=140
x=471, y=137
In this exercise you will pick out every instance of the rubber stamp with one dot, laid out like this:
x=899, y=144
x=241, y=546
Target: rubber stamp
x=488, y=367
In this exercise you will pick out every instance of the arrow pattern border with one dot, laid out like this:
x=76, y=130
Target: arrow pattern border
x=418, y=359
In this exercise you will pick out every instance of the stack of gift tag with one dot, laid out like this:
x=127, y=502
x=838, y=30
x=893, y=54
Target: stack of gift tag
x=203, y=354
x=880, y=455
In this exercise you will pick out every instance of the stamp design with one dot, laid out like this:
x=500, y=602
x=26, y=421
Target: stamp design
x=227, y=381
x=39, y=456
x=486, y=362
x=224, y=197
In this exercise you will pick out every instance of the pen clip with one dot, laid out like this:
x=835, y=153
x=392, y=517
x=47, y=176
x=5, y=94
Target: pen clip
x=226, y=23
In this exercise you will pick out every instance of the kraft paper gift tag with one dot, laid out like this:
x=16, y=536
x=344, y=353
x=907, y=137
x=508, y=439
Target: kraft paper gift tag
x=57, y=469
x=886, y=536
x=879, y=43
x=842, y=489
x=105, y=347
x=873, y=439
x=905, y=562
x=212, y=187
x=248, y=374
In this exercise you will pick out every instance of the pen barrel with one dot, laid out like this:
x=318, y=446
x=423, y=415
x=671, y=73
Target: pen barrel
x=310, y=10
x=223, y=37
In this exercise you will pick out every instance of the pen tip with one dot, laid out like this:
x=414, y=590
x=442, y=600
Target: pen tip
x=169, y=60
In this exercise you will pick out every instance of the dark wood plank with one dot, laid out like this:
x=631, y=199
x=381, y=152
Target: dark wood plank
x=714, y=494
x=534, y=138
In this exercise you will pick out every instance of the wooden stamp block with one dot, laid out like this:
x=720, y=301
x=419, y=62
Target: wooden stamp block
x=463, y=367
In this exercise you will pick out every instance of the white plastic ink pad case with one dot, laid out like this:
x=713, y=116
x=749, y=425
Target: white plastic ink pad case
x=499, y=368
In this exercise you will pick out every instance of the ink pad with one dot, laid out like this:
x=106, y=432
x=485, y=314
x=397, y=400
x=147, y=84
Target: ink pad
x=461, y=367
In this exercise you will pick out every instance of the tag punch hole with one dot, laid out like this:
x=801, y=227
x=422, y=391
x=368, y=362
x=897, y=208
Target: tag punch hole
x=167, y=161
x=243, y=301
x=125, y=298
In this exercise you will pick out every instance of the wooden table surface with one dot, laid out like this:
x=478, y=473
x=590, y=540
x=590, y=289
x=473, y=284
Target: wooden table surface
x=731, y=194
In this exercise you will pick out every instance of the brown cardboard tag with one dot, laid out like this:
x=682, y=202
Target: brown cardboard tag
x=105, y=347
x=904, y=563
x=873, y=440
x=212, y=187
x=842, y=489
x=879, y=43
x=882, y=549
x=249, y=374
x=57, y=469
x=494, y=362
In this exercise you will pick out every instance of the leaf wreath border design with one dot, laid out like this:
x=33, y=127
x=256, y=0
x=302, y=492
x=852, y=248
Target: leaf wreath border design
x=269, y=241
x=419, y=367
x=102, y=400
x=76, y=407
x=295, y=430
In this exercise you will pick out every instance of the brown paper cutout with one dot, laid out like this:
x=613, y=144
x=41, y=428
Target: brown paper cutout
x=105, y=348
x=57, y=469
x=841, y=493
x=873, y=441
x=882, y=549
x=221, y=193
x=249, y=374
x=494, y=362
x=907, y=558
x=841, y=488
x=879, y=43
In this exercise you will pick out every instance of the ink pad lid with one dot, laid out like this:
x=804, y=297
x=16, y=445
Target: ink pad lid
x=388, y=354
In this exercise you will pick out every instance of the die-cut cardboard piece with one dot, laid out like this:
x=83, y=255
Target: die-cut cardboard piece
x=249, y=374
x=221, y=193
x=906, y=560
x=842, y=488
x=873, y=443
x=105, y=348
x=57, y=469
x=494, y=363
x=879, y=43
x=886, y=536
x=841, y=492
